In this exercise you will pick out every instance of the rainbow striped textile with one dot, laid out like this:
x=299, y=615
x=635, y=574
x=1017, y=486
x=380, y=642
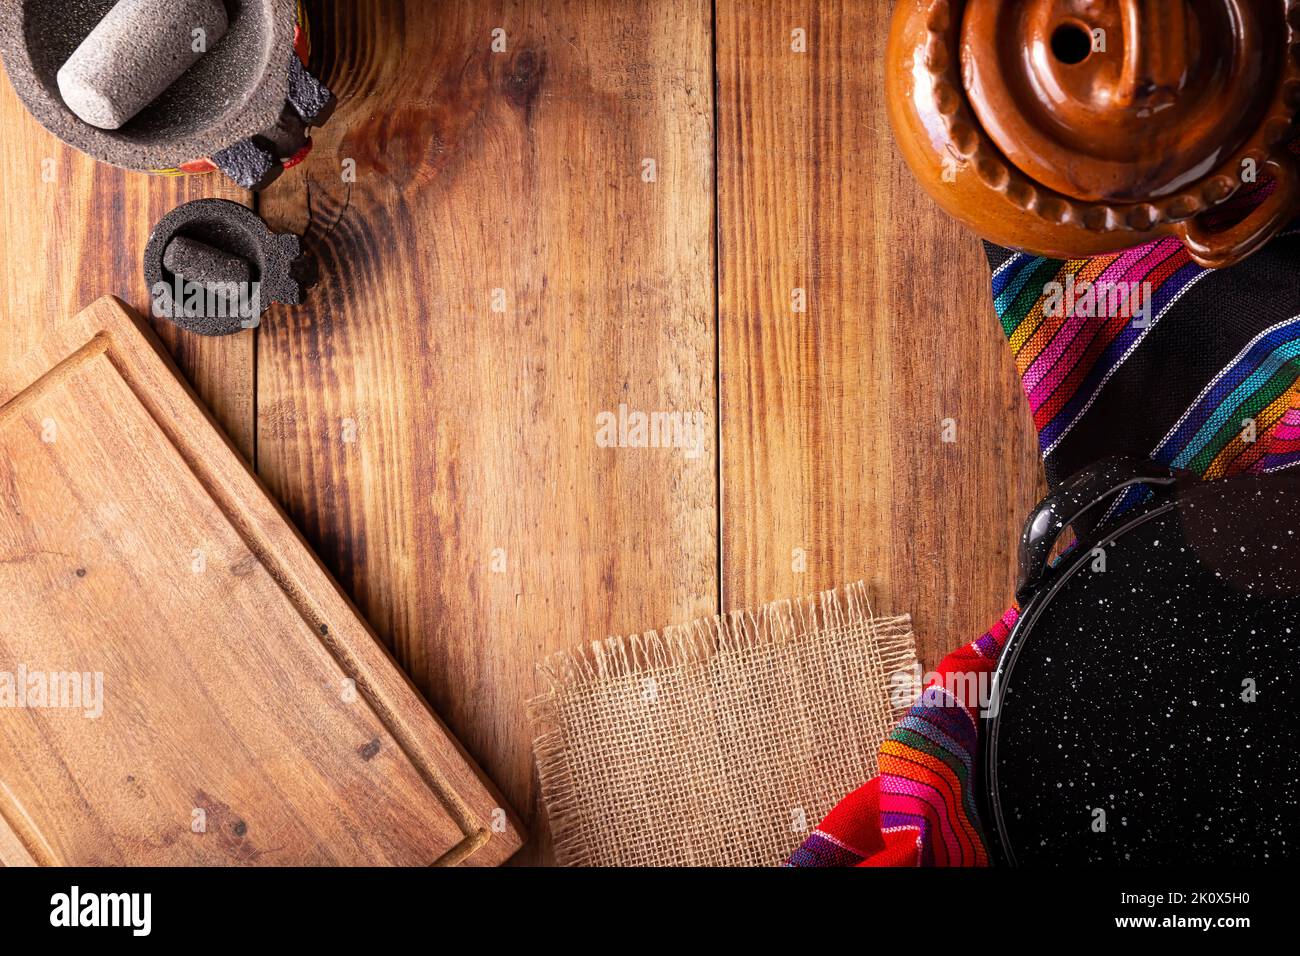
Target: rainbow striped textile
x=1141, y=352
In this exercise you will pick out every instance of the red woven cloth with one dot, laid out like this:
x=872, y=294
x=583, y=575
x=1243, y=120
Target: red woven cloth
x=921, y=809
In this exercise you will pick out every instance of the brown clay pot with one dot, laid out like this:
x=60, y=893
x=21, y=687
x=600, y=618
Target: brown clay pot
x=1070, y=128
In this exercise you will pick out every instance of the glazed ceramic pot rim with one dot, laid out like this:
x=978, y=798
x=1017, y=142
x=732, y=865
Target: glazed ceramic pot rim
x=1266, y=147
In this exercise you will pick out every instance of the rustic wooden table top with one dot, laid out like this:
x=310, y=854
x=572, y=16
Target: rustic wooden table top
x=676, y=207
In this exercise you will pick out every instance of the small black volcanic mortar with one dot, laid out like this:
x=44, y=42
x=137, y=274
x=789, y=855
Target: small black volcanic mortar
x=275, y=265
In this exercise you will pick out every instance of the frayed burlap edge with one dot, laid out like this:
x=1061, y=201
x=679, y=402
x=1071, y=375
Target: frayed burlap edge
x=786, y=621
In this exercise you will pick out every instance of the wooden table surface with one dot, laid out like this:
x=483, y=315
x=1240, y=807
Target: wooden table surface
x=672, y=206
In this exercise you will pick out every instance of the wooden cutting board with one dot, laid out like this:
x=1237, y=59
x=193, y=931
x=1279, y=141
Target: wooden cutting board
x=210, y=696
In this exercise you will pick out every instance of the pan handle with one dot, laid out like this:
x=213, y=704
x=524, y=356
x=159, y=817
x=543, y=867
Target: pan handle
x=1073, y=498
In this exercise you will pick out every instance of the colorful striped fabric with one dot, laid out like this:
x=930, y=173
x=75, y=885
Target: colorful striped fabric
x=1064, y=359
x=1259, y=386
x=1240, y=420
x=1200, y=371
x=920, y=810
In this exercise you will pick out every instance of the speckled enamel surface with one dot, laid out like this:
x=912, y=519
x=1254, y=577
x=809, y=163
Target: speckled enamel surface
x=1149, y=716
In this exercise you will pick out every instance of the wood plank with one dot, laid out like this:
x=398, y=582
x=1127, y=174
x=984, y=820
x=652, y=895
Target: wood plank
x=442, y=456
x=833, y=418
x=72, y=230
x=220, y=677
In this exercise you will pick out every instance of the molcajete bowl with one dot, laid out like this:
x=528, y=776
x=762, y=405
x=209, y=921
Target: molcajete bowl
x=235, y=91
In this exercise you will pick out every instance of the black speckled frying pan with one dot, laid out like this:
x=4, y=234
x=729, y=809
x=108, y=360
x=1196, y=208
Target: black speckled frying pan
x=1144, y=708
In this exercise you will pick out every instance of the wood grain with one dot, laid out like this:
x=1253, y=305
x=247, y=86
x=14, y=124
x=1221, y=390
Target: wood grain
x=234, y=679
x=833, y=418
x=441, y=455
x=72, y=230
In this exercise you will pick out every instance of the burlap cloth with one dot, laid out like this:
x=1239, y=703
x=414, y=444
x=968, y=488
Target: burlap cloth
x=719, y=742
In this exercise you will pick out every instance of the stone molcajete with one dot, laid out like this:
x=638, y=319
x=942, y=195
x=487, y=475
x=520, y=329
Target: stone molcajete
x=1071, y=128
x=172, y=86
x=213, y=267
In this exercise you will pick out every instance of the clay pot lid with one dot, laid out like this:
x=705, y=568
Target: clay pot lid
x=1121, y=100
